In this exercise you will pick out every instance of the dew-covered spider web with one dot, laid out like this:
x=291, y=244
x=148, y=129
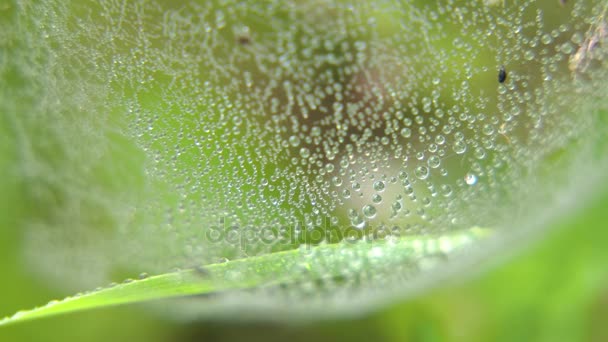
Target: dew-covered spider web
x=153, y=135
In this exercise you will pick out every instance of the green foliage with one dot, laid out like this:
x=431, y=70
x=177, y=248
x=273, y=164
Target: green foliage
x=286, y=268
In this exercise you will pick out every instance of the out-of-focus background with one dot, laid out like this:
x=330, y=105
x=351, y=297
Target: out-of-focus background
x=551, y=289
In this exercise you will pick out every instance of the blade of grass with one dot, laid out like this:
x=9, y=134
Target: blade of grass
x=264, y=270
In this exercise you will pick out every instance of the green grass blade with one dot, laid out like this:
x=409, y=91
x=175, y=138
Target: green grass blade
x=264, y=270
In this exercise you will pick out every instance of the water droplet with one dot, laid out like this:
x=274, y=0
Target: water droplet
x=567, y=48
x=434, y=162
x=406, y=132
x=487, y=129
x=459, y=147
x=396, y=206
x=480, y=153
x=337, y=181
x=346, y=193
x=379, y=186
x=360, y=45
x=446, y=190
x=422, y=172
x=529, y=55
x=470, y=178
x=304, y=152
x=295, y=141
x=369, y=211
x=358, y=222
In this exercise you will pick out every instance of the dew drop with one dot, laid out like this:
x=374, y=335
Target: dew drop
x=304, y=152
x=369, y=211
x=337, y=181
x=459, y=147
x=346, y=193
x=406, y=132
x=470, y=178
x=422, y=172
x=379, y=186
x=358, y=222
x=396, y=206
x=446, y=190
x=434, y=162
x=295, y=141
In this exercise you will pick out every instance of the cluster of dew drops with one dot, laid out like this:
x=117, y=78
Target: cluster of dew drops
x=374, y=118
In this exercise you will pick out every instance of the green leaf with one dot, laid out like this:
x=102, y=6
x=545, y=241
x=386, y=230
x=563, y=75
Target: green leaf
x=265, y=270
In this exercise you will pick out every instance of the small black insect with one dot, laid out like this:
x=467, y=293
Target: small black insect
x=244, y=39
x=502, y=74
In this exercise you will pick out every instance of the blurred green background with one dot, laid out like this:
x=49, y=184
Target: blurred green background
x=555, y=289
